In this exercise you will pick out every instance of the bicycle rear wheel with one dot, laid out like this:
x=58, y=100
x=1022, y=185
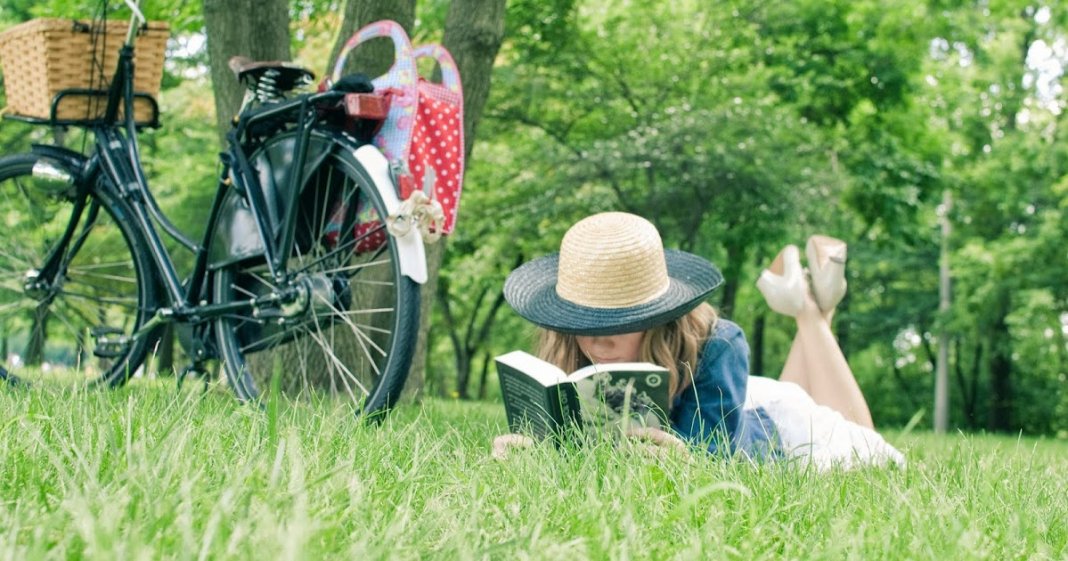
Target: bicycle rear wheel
x=82, y=313
x=352, y=329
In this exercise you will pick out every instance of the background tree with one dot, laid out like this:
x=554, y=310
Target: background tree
x=738, y=128
x=601, y=94
x=473, y=31
x=258, y=29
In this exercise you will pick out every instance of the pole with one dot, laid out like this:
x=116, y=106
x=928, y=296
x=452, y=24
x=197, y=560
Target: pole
x=941, y=394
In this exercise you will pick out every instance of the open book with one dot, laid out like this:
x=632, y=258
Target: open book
x=541, y=399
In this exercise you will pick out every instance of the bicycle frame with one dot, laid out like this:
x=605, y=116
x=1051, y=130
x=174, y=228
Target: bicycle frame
x=117, y=157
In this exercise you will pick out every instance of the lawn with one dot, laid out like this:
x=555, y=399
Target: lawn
x=153, y=472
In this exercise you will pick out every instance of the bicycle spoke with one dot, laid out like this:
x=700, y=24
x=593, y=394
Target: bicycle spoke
x=368, y=311
x=105, y=277
x=344, y=249
x=371, y=328
x=260, y=279
x=109, y=264
x=356, y=336
x=11, y=306
x=347, y=373
x=14, y=257
x=366, y=282
x=355, y=329
x=12, y=285
x=358, y=267
x=243, y=291
x=264, y=342
x=127, y=302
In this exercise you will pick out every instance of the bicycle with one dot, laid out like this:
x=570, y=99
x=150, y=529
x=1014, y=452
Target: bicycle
x=295, y=276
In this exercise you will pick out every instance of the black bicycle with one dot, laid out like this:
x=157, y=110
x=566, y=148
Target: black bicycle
x=307, y=271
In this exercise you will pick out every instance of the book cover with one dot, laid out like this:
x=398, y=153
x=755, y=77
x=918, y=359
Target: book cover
x=540, y=399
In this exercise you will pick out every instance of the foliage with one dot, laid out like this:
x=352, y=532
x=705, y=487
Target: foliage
x=739, y=128
x=181, y=15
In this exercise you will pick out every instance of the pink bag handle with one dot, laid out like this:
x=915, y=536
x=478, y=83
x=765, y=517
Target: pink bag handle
x=400, y=82
x=402, y=73
x=450, y=74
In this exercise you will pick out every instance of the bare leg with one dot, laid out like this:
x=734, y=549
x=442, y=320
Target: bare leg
x=815, y=362
x=794, y=370
x=829, y=378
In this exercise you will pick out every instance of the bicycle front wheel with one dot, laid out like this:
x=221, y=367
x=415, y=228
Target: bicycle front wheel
x=350, y=329
x=80, y=310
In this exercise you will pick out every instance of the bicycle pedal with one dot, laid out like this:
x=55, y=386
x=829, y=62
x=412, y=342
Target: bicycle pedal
x=110, y=342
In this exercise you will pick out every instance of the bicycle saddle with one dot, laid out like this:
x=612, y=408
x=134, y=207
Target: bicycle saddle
x=285, y=76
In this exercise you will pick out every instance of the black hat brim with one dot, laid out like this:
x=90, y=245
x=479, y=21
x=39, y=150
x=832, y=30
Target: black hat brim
x=531, y=291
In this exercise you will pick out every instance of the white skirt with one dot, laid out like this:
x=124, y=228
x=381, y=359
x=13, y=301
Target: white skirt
x=809, y=433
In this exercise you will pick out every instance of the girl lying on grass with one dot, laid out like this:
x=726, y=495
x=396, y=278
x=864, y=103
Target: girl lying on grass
x=614, y=294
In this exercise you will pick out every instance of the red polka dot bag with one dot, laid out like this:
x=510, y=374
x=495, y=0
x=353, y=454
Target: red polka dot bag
x=436, y=153
x=422, y=135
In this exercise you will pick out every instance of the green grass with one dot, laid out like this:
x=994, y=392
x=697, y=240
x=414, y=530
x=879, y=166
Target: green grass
x=148, y=472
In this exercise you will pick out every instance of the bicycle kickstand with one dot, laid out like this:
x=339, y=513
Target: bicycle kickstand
x=195, y=369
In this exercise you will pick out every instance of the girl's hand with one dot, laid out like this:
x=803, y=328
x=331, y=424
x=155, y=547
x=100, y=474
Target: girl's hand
x=657, y=440
x=502, y=444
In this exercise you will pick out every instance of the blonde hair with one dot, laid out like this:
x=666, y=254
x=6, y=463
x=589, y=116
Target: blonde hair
x=674, y=345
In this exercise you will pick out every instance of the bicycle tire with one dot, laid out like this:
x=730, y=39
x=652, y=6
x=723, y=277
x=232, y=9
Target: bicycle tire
x=104, y=294
x=356, y=335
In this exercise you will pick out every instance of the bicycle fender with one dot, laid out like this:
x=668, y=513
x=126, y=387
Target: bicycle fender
x=410, y=245
x=237, y=235
x=73, y=161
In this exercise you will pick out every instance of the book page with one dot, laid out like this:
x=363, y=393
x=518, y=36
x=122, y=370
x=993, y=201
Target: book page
x=547, y=374
x=616, y=367
x=624, y=394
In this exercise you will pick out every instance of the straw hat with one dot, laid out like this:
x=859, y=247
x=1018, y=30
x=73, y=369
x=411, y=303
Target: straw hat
x=611, y=276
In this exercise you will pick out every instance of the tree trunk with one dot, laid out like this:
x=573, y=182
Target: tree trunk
x=968, y=383
x=941, y=393
x=474, y=30
x=757, y=345
x=1000, y=344
x=731, y=279
x=34, y=354
x=484, y=375
x=374, y=58
x=463, y=374
x=258, y=29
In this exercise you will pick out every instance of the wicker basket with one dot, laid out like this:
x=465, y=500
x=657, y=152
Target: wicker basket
x=43, y=57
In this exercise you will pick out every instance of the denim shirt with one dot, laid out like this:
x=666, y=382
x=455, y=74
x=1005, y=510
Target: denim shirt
x=710, y=412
